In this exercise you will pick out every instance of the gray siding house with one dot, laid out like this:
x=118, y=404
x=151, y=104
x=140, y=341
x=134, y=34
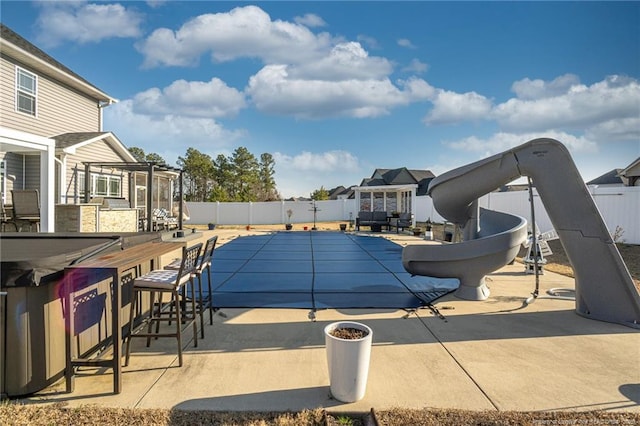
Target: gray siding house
x=51, y=126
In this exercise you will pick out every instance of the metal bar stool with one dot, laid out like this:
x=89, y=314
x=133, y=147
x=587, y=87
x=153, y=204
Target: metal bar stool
x=174, y=282
x=203, y=264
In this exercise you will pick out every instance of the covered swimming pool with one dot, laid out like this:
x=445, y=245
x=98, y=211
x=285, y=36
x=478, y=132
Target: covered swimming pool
x=318, y=270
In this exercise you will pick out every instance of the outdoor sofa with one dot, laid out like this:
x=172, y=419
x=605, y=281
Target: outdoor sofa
x=374, y=220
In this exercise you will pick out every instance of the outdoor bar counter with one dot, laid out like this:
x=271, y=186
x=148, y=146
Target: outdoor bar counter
x=32, y=321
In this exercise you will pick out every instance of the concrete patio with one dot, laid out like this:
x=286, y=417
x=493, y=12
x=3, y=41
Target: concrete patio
x=489, y=355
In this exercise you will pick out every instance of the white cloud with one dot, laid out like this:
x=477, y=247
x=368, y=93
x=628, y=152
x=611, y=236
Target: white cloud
x=606, y=111
x=344, y=61
x=330, y=161
x=579, y=107
x=168, y=135
x=242, y=32
x=305, y=75
x=156, y=3
x=368, y=41
x=538, y=89
x=212, y=99
x=300, y=174
x=85, y=22
x=404, y=42
x=416, y=66
x=310, y=20
x=274, y=91
x=503, y=141
x=623, y=129
x=451, y=107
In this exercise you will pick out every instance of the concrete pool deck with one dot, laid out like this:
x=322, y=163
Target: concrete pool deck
x=488, y=355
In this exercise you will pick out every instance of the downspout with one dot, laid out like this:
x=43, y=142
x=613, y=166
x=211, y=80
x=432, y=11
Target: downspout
x=102, y=105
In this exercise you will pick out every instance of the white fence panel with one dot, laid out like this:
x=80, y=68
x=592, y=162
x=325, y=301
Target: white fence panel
x=517, y=203
x=424, y=210
x=201, y=213
x=619, y=206
x=269, y=212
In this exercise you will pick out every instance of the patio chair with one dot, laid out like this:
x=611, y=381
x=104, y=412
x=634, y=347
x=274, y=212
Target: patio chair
x=174, y=282
x=6, y=217
x=162, y=221
x=26, y=208
x=404, y=221
x=203, y=265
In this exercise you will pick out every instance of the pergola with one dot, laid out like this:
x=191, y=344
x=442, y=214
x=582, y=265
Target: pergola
x=150, y=169
x=404, y=195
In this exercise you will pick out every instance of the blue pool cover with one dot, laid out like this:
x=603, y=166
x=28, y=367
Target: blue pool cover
x=318, y=270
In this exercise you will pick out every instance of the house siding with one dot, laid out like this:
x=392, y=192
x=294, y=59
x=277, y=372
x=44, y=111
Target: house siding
x=633, y=174
x=31, y=172
x=15, y=175
x=99, y=150
x=59, y=109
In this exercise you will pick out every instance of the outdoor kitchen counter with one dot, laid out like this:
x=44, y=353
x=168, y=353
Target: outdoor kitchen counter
x=93, y=217
x=109, y=266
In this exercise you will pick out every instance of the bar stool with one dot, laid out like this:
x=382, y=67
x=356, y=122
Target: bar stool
x=162, y=281
x=203, y=264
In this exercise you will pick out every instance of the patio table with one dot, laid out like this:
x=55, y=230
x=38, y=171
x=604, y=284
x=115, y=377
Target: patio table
x=111, y=265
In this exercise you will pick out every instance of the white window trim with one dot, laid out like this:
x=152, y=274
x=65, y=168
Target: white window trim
x=94, y=179
x=3, y=171
x=35, y=94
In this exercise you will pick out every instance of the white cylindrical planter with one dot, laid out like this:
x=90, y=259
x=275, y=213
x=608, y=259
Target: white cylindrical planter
x=348, y=362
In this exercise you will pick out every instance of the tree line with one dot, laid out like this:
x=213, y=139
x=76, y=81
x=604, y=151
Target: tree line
x=239, y=177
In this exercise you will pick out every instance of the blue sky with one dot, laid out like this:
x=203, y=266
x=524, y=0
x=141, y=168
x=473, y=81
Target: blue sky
x=334, y=90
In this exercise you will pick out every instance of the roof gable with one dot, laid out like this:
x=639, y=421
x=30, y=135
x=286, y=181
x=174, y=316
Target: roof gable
x=400, y=176
x=19, y=48
x=70, y=142
x=632, y=170
x=610, y=178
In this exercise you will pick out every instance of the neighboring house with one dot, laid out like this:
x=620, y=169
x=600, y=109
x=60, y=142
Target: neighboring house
x=629, y=176
x=392, y=190
x=611, y=178
x=51, y=126
x=632, y=173
x=340, y=193
x=401, y=176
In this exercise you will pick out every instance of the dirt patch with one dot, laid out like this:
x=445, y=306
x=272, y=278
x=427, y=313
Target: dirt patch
x=559, y=262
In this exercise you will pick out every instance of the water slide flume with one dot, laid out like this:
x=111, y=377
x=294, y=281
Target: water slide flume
x=604, y=288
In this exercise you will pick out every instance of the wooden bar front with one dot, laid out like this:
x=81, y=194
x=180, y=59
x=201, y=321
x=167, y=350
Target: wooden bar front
x=109, y=266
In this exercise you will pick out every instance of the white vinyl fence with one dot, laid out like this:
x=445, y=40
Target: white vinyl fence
x=270, y=212
x=619, y=206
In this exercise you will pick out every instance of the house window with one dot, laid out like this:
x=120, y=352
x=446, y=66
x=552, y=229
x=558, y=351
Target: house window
x=101, y=185
x=26, y=91
x=81, y=184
